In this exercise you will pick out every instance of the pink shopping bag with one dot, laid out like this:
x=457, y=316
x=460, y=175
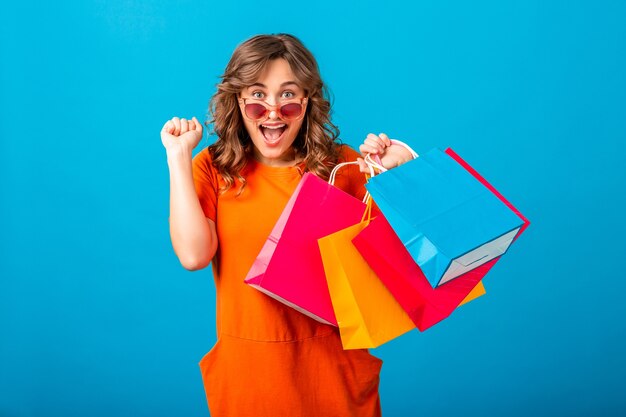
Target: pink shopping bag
x=289, y=267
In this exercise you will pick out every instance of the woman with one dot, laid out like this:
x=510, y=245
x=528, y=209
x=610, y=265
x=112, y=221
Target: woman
x=271, y=116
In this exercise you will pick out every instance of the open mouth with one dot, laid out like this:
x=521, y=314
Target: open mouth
x=273, y=133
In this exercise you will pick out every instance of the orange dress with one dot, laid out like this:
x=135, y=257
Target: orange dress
x=269, y=359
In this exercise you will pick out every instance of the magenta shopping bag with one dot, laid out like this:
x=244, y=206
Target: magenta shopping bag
x=289, y=267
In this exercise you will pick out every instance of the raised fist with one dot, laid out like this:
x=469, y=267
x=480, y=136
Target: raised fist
x=181, y=134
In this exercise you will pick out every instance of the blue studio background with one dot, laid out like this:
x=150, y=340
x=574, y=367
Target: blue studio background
x=98, y=318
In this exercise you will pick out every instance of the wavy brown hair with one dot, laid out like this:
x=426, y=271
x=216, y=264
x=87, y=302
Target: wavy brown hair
x=317, y=141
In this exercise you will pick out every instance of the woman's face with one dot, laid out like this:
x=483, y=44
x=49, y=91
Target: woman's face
x=273, y=136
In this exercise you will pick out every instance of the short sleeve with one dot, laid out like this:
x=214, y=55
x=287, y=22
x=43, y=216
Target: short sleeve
x=206, y=183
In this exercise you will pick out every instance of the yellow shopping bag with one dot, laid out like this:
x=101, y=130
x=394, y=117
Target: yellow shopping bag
x=367, y=314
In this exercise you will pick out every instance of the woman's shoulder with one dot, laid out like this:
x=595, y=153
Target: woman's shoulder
x=203, y=164
x=203, y=156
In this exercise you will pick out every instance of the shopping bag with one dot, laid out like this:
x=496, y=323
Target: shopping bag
x=367, y=313
x=477, y=291
x=446, y=218
x=394, y=265
x=289, y=266
x=386, y=255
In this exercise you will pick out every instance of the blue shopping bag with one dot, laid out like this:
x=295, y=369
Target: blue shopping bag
x=448, y=220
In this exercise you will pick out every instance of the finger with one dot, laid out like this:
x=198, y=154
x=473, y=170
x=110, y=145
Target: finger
x=375, y=145
x=172, y=128
x=198, y=125
x=362, y=166
x=385, y=139
x=371, y=147
x=365, y=149
x=167, y=126
x=184, y=125
x=373, y=139
x=191, y=124
x=176, y=122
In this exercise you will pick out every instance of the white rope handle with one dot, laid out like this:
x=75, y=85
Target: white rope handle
x=333, y=175
x=374, y=164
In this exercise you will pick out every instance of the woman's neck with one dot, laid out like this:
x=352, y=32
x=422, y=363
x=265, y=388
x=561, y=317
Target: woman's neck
x=288, y=160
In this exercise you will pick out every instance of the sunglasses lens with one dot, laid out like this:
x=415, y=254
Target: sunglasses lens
x=291, y=110
x=255, y=111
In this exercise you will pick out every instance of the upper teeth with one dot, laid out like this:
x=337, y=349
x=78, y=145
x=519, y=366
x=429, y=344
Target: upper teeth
x=273, y=127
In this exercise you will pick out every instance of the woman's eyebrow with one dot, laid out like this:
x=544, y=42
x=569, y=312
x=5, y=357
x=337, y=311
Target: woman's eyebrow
x=281, y=86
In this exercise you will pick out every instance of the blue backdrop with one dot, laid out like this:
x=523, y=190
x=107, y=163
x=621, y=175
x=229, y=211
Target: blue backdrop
x=97, y=316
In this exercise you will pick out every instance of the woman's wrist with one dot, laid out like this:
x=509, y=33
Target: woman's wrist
x=178, y=155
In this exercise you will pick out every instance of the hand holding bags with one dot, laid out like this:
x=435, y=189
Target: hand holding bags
x=289, y=267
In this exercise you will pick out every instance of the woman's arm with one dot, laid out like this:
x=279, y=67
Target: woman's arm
x=193, y=236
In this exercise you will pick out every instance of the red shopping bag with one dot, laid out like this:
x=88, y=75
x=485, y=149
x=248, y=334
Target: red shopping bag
x=289, y=267
x=393, y=264
x=384, y=252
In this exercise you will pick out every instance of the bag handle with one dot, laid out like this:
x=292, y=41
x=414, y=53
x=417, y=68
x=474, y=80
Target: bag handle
x=376, y=163
x=333, y=174
x=367, y=214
